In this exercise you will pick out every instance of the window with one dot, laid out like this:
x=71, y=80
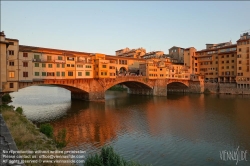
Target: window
x=43, y=73
x=44, y=65
x=239, y=49
x=63, y=65
x=239, y=62
x=36, y=64
x=216, y=62
x=104, y=66
x=11, y=74
x=80, y=66
x=101, y=73
x=222, y=62
x=232, y=67
x=25, y=74
x=58, y=73
x=63, y=74
x=11, y=85
x=11, y=52
x=70, y=73
x=36, y=73
x=222, y=56
x=25, y=54
x=79, y=73
x=239, y=56
x=50, y=65
x=11, y=63
x=227, y=56
x=72, y=65
x=49, y=58
x=58, y=65
x=232, y=55
x=227, y=67
x=68, y=65
x=60, y=58
x=50, y=74
x=88, y=66
x=25, y=64
x=232, y=61
x=36, y=56
x=239, y=68
x=222, y=73
x=11, y=43
x=222, y=67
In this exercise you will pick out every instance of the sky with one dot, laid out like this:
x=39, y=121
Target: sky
x=107, y=26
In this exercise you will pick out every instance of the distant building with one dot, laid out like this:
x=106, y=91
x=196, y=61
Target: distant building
x=131, y=53
x=243, y=61
x=177, y=53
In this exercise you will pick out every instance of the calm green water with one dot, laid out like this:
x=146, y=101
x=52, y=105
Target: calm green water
x=173, y=130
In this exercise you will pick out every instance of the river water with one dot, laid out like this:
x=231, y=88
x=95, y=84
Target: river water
x=179, y=129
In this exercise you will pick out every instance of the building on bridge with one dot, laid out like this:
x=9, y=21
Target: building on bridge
x=131, y=53
x=22, y=65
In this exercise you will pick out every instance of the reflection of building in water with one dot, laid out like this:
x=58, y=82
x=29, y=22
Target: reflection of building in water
x=95, y=126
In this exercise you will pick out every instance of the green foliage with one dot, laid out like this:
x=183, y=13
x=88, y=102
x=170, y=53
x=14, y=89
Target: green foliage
x=6, y=98
x=47, y=129
x=60, y=139
x=117, y=88
x=19, y=110
x=108, y=158
x=207, y=91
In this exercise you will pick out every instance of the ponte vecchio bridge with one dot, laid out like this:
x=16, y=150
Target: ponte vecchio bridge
x=94, y=89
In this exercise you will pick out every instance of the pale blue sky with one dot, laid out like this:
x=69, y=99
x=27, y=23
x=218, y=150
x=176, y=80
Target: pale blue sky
x=105, y=27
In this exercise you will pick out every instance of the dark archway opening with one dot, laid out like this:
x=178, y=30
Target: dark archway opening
x=177, y=87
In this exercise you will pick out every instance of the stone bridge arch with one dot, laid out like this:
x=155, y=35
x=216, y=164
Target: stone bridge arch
x=131, y=82
x=180, y=86
x=185, y=82
x=71, y=85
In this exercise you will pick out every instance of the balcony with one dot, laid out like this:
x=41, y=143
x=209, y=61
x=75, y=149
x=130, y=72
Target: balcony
x=59, y=61
x=36, y=60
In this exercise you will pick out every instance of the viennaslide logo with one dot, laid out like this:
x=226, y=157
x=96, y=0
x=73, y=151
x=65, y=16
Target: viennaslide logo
x=234, y=155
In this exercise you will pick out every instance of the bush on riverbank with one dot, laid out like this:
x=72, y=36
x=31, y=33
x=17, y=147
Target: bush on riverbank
x=207, y=91
x=19, y=110
x=108, y=158
x=6, y=98
x=47, y=129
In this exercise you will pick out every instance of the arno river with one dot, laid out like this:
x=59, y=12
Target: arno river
x=178, y=129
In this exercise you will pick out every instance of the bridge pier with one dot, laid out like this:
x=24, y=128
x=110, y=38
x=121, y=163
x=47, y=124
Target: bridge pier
x=160, y=88
x=160, y=91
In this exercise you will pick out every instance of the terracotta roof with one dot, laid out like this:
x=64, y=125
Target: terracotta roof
x=33, y=48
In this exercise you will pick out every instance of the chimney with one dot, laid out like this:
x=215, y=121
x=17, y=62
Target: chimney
x=2, y=36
